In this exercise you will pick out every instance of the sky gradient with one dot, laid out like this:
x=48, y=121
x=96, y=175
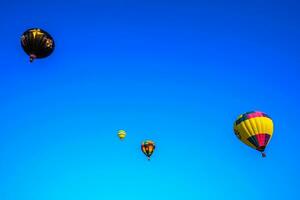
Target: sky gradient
x=176, y=72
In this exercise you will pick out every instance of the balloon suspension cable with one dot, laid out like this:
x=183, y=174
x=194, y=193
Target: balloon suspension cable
x=263, y=154
x=32, y=57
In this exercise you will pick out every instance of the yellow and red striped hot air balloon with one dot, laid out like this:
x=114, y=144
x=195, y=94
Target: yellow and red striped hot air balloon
x=148, y=147
x=121, y=134
x=255, y=129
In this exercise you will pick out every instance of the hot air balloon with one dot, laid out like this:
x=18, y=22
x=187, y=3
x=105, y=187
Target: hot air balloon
x=148, y=147
x=255, y=129
x=121, y=134
x=37, y=43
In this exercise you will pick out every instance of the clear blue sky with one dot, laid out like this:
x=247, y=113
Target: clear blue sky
x=176, y=72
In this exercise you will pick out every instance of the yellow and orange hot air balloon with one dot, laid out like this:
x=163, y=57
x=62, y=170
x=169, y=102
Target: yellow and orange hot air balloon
x=121, y=134
x=148, y=147
x=255, y=129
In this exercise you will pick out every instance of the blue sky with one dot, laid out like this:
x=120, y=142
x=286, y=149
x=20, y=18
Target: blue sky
x=176, y=72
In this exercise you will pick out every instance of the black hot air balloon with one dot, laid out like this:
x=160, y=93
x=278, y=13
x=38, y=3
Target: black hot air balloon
x=37, y=43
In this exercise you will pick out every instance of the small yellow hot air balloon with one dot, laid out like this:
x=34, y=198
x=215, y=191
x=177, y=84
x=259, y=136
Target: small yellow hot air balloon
x=121, y=134
x=255, y=129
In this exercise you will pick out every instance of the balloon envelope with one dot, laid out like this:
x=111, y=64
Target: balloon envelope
x=255, y=129
x=37, y=43
x=148, y=148
x=121, y=134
